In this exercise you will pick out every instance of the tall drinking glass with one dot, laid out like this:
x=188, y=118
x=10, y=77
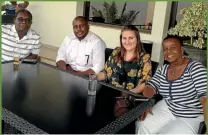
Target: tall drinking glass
x=92, y=85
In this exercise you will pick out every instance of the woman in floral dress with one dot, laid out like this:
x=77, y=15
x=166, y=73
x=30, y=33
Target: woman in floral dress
x=128, y=66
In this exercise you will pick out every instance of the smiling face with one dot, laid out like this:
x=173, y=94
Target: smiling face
x=129, y=40
x=172, y=49
x=81, y=28
x=23, y=22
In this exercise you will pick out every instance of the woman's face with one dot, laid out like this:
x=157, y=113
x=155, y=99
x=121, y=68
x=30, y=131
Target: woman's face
x=172, y=50
x=129, y=40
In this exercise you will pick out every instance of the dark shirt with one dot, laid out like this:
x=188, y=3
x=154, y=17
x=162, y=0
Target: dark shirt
x=128, y=75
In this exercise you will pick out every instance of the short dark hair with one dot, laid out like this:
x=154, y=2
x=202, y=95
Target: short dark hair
x=23, y=11
x=81, y=17
x=175, y=37
x=179, y=40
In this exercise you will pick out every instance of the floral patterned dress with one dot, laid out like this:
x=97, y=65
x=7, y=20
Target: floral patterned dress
x=128, y=74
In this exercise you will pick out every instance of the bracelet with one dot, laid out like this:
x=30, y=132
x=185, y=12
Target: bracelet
x=105, y=74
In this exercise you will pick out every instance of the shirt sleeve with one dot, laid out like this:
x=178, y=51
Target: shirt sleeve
x=62, y=54
x=108, y=67
x=36, y=48
x=199, y=77
x=98, y=60
x=155, y=81
x=145, y=74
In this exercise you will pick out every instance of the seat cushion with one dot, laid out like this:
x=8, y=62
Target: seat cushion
x=108, y=52
x=154, y=67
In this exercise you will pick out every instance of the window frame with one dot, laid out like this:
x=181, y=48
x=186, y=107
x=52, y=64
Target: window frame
x=86, y=13
x=173, y=14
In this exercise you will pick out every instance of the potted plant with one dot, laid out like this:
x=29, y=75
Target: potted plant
x=97, y=15
x=193, y=25
x=110, y=14
x=128, y=17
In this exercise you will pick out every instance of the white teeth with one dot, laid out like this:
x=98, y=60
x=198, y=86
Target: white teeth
x=169, y=56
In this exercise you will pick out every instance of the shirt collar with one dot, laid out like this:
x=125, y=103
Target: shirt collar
x=29, y=33
x=87, y=38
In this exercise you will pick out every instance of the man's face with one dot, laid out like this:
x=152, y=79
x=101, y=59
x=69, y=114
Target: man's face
x=81, y=28
x=23, y=22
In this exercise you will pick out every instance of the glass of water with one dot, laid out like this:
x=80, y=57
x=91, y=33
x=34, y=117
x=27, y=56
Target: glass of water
x=90, y=105
x=92, y=84
x=16, y=61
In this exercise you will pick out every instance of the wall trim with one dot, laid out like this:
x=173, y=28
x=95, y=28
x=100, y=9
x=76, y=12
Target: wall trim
x=50, y=47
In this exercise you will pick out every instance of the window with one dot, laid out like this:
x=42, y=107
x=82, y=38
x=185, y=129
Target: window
x=176, y=7
x=121, y=13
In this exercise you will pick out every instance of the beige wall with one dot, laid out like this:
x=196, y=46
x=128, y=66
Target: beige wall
x=53, y=20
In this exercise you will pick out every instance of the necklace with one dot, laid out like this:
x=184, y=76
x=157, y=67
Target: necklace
x=173, y=69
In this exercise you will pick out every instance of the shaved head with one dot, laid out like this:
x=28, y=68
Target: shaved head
x=82, y=18
x=80, y=27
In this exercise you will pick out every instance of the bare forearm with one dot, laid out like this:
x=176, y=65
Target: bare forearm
x=101, y=76
x=32, y=56
x=139, y=89
x=149, y=92
x=61, y=64
x=203, y=100
x=86, y=73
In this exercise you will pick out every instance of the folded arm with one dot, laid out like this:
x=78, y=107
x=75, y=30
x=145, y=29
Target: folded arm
x=32, y=56
x=98, y=59
x=35, y=51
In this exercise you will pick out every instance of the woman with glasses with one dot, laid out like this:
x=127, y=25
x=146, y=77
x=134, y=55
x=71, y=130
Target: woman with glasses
x=19, y=39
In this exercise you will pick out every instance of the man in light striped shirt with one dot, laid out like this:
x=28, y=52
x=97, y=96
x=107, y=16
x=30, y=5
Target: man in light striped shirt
x=19, y=39
x=183, y=85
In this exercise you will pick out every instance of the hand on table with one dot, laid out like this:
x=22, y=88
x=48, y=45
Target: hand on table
x=139, y=89
x=69, y=68
x=101, y=76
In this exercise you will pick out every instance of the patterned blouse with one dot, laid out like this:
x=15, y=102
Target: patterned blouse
x=128, y=74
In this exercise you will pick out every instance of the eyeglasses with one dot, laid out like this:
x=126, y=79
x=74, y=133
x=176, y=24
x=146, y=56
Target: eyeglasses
x=27, y=20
